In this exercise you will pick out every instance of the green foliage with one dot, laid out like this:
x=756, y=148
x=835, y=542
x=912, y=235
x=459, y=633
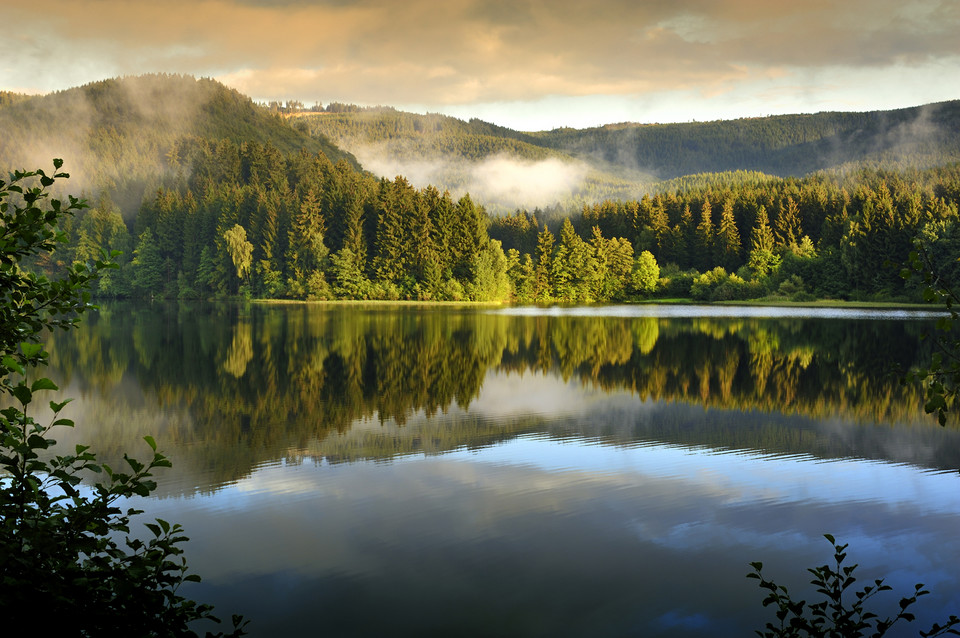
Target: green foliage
x=941, y=378
x=147, y=264
x=240, y=250
x=128, y=131
x=233, y=164
x=32, y=303
x=68, y=559
x=837, y=615
x=646, y=273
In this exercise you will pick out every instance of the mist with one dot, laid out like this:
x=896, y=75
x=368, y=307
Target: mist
x=113, y=136
x=501, y=183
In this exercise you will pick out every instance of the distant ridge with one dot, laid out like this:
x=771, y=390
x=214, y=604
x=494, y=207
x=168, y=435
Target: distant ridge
x=784, y=145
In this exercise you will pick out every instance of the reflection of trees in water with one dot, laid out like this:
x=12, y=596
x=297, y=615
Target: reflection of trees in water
x=279, y=377
x=241, y=350
x=343, y=362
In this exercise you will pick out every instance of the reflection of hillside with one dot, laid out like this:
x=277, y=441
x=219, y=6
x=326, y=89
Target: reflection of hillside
x=241, y=386
x=684, y=426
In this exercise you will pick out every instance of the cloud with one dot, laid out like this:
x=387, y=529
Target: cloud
x=456, y=52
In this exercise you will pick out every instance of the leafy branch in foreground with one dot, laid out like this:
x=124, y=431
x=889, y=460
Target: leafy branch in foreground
x=834, y=615
x=941, y=379
x=67, y=558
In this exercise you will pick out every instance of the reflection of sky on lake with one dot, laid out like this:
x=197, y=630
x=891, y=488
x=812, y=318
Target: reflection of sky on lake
x=542, y=506
x=531, y=516
x=545, y=535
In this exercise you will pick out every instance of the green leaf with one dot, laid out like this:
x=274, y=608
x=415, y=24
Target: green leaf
x=56, y=407
x=43, y=384
x=31, y=350
x=151, y=442
x=23, y=394
x=13, y=365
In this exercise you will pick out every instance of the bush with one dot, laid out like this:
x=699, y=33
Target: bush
x=67, y=559
x=704, y=285
x=791, y=286
x=834, y=615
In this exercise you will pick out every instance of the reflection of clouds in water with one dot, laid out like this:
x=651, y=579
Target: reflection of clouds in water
x=460, y=523
x=739, y=477
x=667, y=474
x=537, y=393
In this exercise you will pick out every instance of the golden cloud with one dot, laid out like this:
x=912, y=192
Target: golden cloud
x=462, y=51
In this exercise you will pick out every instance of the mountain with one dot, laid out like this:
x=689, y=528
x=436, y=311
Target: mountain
x=116, y=135
x=567, y=168
x=784, y=145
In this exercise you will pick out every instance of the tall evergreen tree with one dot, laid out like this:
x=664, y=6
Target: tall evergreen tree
x=705, y=238
x=728, y=239
x=788, y=228
x=543, y=273
x=147, y=265
x=307, y=252
x=762, y=260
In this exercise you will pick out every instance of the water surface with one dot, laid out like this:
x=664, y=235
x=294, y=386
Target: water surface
x=365, y=471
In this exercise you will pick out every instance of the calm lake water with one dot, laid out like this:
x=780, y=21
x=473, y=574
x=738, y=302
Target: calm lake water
x=355, y=470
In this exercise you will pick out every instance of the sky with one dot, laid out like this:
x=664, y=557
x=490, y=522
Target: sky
x=525, y=64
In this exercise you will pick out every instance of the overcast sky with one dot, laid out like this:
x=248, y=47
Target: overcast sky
x=527, y=64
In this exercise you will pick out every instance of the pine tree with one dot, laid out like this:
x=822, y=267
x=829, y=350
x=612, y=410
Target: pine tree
x=728, y=239
x=307, y=252
x=788, y=229
x=705, y=238
x=762, y=259
x=147, y=265
x=543, y=273
x=394, y=202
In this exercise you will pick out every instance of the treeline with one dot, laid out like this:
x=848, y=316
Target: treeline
x=8, y=98
x=296, y=107
x=748, y=236
x=245, y=220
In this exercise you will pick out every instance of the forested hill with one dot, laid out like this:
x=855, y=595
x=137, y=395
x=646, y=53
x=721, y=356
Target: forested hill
x=503, y=168
x=425, y=136
x=785, y=145
x=624, y=161
x=117, y=135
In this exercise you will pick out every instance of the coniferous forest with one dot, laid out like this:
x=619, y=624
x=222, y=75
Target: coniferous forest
x=207, y=194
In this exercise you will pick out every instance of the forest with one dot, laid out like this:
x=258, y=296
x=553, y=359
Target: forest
x=245, y=220
x=207, y=194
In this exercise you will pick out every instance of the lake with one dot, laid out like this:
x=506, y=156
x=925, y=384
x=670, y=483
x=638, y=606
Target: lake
x=387, y=470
